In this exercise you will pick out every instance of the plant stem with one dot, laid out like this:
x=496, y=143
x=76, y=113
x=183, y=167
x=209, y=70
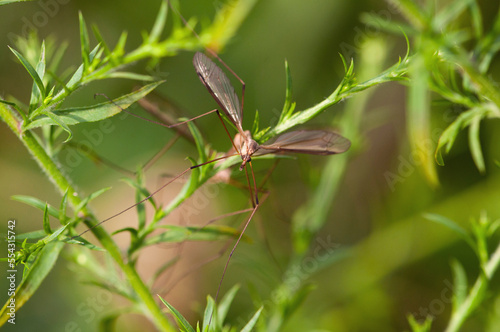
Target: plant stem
x=51, y=169
x=480, y=286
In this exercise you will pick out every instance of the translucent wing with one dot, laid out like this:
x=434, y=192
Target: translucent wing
x=317, y=142
x=219, y=87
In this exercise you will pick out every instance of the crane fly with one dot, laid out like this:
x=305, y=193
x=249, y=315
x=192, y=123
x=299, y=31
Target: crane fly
x=315, y=142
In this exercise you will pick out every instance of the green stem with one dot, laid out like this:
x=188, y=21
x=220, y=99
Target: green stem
x=50, y=167
x=475, y=294
x=395, y=73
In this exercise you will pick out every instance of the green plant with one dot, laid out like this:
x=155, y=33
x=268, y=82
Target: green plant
x=465, y=302
x=441, y=61
x=103, y=62
x=48, y=93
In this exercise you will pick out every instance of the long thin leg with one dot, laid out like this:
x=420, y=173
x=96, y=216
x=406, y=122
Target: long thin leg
x=153, y=193
x=133, y=206
x=167, y=147
x=254, y=184
x=193, y=268
x=176, y=124
x=254, y=202
x=231, y=255
x=167, y=117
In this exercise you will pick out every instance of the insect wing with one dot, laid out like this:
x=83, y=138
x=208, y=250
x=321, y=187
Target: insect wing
x=318, y=142
x=219, y=87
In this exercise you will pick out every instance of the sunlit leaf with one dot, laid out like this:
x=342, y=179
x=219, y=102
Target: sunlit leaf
x=475, y=144
x=181, y=321
x=46, y=222
x=175, y=234
x=89, y=198
x=39, y=270
x=451, y=225
x=459, y=284
x=35, y=202
x=225, y=304
x=159, y=24
x=84, y=42
x=29, y=68
x=251, y=323
x=210, y=316
x=76, y=115
x=6, y=2
x=58, y=120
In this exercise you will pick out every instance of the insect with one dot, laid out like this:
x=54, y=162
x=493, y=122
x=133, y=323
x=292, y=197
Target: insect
x=315, y=142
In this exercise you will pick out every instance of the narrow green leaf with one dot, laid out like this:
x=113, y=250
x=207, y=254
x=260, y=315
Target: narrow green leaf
x=255, y=126
x=225, y=304
x=36, y=235
x=95, y=57
x=131, y=76
x=450, y=13
x=56, y=59
x=451, y=225
x=46, y=221
x=35, y=202
x=76, y=115
x=475, y=144
x=132, y=231
x=476, y=18
x=229, y=17
x=168, y=264
x=175, y=234
x=141, y=209
x=159, y=24
x=200, y=145
x=89, y=198
x=493, y=227
x=449, y=135
x=120, y=45
x=38, y=95
x=75, y=79
x=58, y=120
x=33, y=73
x=145, y=193
x=210, y=316
x=100, y=40
x=181, y=321
x=251, y=323
x=6, y=2
x=55, y=235
x=39, y=270
x=459, y=284
x=62, y=208
x=288, y=106
x=81, y=241
x=84, y=42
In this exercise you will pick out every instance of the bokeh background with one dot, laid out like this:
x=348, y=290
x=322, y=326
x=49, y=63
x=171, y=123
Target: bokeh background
x=398, y=262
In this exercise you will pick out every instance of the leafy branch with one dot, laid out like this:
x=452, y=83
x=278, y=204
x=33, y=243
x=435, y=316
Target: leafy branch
x=452, y=63
x=465, y=301
x=47, y=94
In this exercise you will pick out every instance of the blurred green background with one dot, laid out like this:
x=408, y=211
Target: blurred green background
x=398, y=262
